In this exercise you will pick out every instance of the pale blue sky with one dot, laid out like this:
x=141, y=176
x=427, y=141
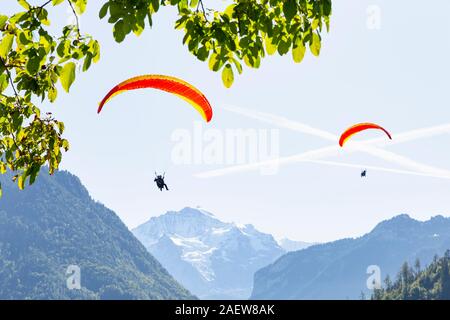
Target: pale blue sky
x=396, y=76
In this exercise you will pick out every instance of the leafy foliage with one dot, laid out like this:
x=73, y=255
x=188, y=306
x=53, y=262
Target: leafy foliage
x=300, y=275
x=54, y=224
x=244, y=32
x=433, y=283
x=31, y=62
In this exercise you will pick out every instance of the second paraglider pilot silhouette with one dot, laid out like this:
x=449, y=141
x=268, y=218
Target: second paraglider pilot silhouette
x=160, y=182
x=363, y=173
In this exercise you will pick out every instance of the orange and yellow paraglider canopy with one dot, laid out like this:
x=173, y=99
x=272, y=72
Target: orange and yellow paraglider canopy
x=169, y=84
x=350, y=132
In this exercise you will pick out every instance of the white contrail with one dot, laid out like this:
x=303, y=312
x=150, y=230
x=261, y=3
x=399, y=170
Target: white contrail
x=316, y=154
x=357, y=146
x=403, y=161
x=375, y=168
x=301, y=127
x=308, y=155
x=309, y=158
x=410, y=135
x=364, y=146
x=360, y=145
x=281, y=122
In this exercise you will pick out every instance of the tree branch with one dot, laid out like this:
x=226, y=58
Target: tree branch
x=41, y=7
x=11, y=81
x=200, y=3
x=76, y=19
x=17, y=101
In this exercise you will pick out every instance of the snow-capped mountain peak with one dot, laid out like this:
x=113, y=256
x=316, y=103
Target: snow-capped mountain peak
x=210, y=257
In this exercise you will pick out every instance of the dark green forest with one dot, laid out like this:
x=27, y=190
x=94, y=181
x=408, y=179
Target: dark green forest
x=413, y=283
x=54, y=224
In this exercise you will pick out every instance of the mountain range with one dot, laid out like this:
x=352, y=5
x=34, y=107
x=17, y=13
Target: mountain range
x=212, y=258
x=55, y=225
x=339, y=269
x=293, y=245
x=53, y=234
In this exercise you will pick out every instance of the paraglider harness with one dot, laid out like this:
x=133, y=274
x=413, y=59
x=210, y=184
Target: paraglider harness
x=160, y=181
x=363, y=173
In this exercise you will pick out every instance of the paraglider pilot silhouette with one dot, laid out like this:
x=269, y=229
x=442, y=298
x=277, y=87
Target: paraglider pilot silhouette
x=364, y=173
x=160, y=181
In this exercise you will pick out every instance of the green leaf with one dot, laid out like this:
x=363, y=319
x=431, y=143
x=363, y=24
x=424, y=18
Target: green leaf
x=20, y=135
x=103, y=10
x=229, y=10
x=3, y=20
x=315, y=24
x=63, y=48
x=60, y=126
x=327, y=7
x=24, y=4
x=3, y=82
x=215, y=63
x=227, y=76
x=6, y=45
x=65, y=144
x=79, y=6
x=67, y=76
x=33, y=175
x=284, y=46
x=52, y=94
x=21, y=182
x=2, y=168
x=327, y=23
x=155, y=5
x=138, y=28
x=56, y=2
x=119, y=31
x=237, y=64
x=43, y=17
x=202, y=53
x=252, y=62
x=270, y=47
x=87, y=61
x=290, y=9
x=194, y=3
x=315, y=44
x=33, y=64
x=24, y=38
x=298, y=51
